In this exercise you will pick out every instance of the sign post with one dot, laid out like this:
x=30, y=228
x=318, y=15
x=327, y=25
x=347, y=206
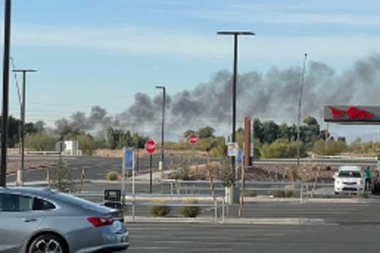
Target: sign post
x=193, y=140
x=128, y=164
x=150, y=147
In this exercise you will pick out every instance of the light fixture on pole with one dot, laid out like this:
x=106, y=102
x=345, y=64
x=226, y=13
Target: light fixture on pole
x=5, y=113
x=235, y=34
x=299, y=110
x=20, y=170
x=163, y=88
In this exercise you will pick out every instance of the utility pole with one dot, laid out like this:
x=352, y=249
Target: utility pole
x=235, y=35
x=4, y=116
x=20, y=170
x=299, y=111
x=163, y=88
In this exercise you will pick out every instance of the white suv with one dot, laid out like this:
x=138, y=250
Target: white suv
x=349, y=179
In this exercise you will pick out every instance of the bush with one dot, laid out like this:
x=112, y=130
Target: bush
x=276, y=191
x=281, y=149
x=190, y=211
x=159, y=209
x=332, y=148
x=363, y=195
x=63, y=179
x=87, y=144
x=40, y=142
x=183, y=172
x=113, y=176
x=225, y=174
x=250, y=193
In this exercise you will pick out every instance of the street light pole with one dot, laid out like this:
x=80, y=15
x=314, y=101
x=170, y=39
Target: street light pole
x=4, y=125
x=236, y=35
x=299, y=111
x=21, y=169
x=163, y=125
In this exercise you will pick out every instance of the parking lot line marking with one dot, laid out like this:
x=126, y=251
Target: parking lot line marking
x=150, y=248
x=212, y=249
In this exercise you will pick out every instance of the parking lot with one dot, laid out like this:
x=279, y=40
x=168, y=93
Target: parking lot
x=186, y=238
x=170, y=238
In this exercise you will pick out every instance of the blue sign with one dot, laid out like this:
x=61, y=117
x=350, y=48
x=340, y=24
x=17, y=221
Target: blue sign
x=240, y=158
x=129, y=159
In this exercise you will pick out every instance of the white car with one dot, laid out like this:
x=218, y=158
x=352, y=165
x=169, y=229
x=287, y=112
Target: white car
x=349, y=179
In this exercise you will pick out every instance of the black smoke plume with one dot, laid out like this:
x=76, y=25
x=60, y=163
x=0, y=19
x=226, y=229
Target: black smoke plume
x=272, y=95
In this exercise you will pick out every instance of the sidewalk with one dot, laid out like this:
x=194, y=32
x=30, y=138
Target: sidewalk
x=231, y=221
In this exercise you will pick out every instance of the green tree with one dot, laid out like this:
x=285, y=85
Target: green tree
x=206, y=132
x=87, y=144
x=40, y=142
x=188, y=132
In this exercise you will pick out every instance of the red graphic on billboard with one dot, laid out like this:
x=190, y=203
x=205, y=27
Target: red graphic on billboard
x=352, y=113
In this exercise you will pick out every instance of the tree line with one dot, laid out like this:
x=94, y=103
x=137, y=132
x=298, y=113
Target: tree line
x=271, y=140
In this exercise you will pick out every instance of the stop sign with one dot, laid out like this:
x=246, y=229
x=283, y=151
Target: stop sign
x=150, y=146
x=193, y=139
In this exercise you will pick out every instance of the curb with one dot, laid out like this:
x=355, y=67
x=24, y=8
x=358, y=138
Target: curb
x=230, y=221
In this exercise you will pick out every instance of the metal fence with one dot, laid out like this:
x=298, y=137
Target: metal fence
x=216, y=202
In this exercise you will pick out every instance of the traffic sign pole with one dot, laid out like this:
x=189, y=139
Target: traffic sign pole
x=150, y=147
x=151, y=174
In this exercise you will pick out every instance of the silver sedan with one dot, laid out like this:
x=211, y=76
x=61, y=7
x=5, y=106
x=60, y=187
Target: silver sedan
x=39, y=220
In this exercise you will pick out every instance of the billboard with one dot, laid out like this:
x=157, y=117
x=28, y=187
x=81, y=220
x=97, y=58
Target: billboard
x=352, y=114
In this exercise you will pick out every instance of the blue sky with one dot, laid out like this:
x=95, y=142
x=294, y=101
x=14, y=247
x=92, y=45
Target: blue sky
x=102, y=52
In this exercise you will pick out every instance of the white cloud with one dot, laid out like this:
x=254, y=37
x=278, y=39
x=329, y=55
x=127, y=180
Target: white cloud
x=144, y=41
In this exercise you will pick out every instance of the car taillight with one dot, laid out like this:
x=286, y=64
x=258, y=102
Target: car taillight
x=100, y=222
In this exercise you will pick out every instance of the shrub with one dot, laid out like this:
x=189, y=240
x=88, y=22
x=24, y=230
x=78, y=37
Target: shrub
x=363, y=195
x=332, y=148
x=183, y=171
x=190, y=211
x=289, y=191
x=225, y=174
x=276, y=191
x=281, y=149
x=39, y=142
x=159, y=209
x=250, y=193
x=112, y=176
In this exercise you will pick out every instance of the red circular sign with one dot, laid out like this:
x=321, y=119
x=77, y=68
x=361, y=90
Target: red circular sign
x=193, y=139
x=150, y=146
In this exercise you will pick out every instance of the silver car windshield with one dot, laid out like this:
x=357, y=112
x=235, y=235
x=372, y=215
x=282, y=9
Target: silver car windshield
x=352, y=174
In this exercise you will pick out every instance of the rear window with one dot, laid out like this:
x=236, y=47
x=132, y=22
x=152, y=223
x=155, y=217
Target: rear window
x=353, y=174
x=79, y=202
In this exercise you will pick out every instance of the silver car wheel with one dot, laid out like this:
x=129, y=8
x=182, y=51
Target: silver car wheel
x=47, y=246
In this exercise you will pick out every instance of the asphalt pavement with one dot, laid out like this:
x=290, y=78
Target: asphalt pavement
x=98, y=167
x=186, y=238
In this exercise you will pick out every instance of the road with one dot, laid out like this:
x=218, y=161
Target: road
x=189, y=238
x=98, y=167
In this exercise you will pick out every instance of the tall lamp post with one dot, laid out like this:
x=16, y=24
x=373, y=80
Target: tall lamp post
x=20, y=170
x=236, y=35
x=299, y=111
x=163, y=125
x=4, y=125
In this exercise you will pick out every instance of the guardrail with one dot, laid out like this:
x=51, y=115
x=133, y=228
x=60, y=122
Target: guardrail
x=343, y=157
x=218, y=201
x=68, y=152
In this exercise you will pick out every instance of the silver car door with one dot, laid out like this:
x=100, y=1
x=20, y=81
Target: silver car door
x=18, y=221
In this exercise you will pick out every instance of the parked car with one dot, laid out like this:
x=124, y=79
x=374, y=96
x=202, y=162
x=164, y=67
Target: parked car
x=34, y=220
x=349, y=179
